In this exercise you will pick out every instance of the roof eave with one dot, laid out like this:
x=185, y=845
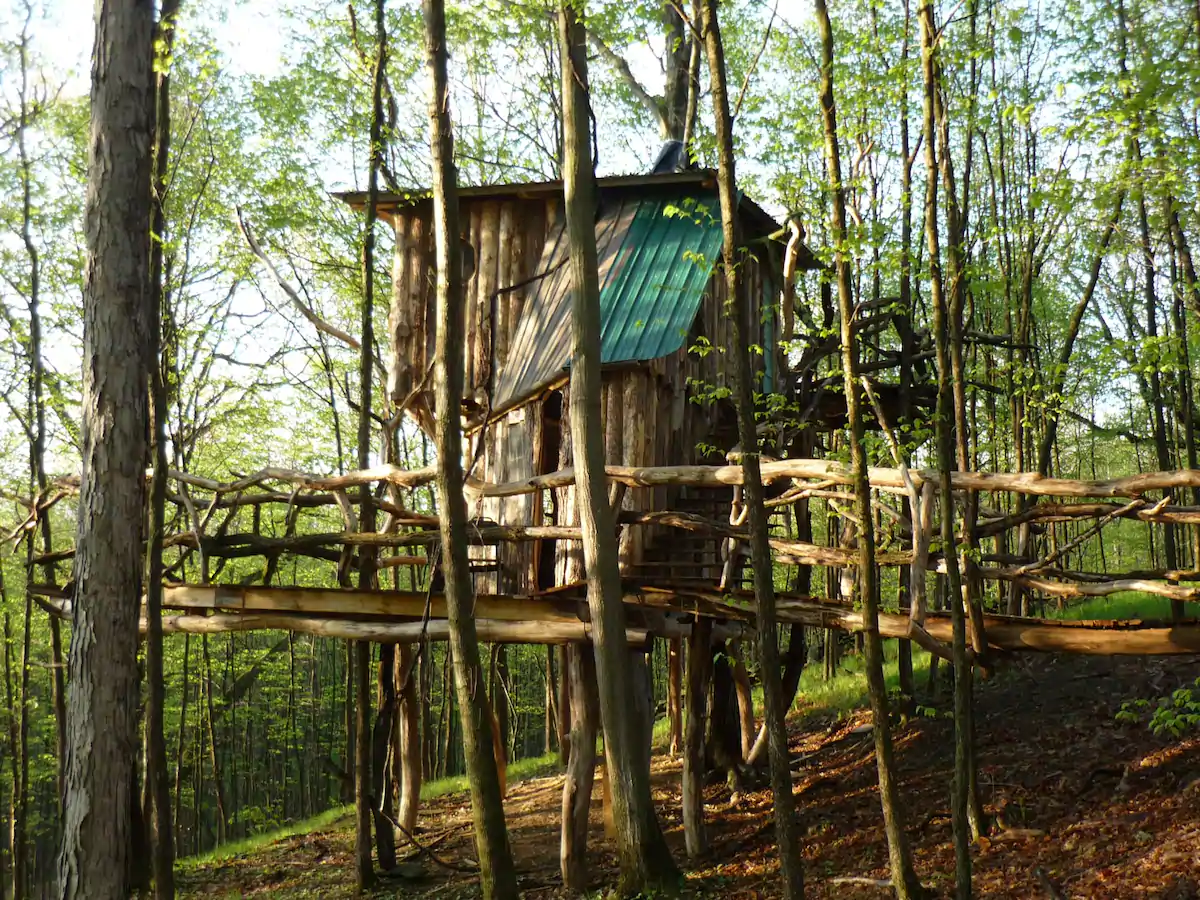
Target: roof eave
x=392, y=200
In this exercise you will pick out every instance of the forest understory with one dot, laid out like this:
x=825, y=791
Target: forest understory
x=1085, y=805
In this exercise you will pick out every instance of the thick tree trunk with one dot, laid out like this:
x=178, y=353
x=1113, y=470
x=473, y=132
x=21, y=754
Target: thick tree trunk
x=118, y=330
x=904, y=879
x=497, y=876
x=742, y=319
x=645, y=861
x=581, y=768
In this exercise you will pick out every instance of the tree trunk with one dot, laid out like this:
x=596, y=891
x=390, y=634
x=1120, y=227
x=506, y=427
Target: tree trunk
x=564, y=707
x=941, y=327
x=410, y=743
x=13, y=730
x=348, y=726
x=157, y=781
x=364, y=866
x=382, y=797
x=496, y=874
x=28, y=111
x=904, y=878
x=581, y=768
x=20, y=819
x=550, y=720
x=214, y=760
x=184, y=693
x=365, y=800
x=675, y=694
x=118, y=332
x=737, y=297
x=645, y=862
x=699, y=672
x=741, y=684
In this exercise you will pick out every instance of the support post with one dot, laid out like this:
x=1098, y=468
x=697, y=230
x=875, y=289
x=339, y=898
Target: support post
x=580, y=674
x=699, y=670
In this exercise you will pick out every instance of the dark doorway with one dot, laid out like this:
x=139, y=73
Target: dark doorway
x=546, y=462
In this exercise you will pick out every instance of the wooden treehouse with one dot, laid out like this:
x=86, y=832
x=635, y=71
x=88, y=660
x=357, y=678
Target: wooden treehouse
x=664, y=333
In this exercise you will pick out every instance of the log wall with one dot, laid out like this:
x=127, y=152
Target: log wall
x=649, y=416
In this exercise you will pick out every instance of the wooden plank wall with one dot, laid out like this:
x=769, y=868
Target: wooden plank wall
x=506, y=237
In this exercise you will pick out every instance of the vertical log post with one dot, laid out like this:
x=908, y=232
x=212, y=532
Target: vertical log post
x=699, y=671
x=580, y=673
x=410, y=740
x=675, y=694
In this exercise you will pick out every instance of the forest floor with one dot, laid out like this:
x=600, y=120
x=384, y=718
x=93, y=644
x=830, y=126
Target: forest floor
x=1103, y=808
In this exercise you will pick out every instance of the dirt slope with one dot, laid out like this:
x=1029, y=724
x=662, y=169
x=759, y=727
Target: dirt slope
x=1102, y=809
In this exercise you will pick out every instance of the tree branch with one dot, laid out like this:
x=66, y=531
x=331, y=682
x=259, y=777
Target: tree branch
x=303, y=308
x=654, y=104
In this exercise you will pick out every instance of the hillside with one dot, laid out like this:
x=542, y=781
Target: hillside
x=1088, y=805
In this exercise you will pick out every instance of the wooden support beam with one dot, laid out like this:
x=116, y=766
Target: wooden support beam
x=381, y=632
x=1079, y=589
x=339, y=602
x=542, y=620
x=880, y=477
x=828, y=471
x=1004, y=633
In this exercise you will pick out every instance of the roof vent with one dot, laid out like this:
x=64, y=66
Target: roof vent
x=671, y=158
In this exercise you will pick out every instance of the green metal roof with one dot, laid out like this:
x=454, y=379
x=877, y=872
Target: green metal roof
x=656, y=255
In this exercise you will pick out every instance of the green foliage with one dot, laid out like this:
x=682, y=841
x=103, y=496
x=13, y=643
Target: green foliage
x=1172, y=716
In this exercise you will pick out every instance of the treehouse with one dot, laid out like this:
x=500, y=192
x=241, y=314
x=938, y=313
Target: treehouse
x=664, y=335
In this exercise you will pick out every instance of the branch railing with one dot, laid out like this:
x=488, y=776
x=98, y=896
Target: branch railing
x=410, y=534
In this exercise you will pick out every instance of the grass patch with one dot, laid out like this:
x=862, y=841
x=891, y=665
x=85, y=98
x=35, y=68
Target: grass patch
x=257, y=841
x=1121, y=606
x=521, y=770
x=846, y=692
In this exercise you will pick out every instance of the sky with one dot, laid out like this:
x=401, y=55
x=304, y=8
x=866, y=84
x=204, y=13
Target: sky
x=249, y=34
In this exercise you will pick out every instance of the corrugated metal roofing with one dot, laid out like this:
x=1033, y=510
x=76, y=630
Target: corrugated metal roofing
x=656, y=255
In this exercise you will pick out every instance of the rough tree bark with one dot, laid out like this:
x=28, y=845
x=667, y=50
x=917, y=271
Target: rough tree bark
x=904, y=877
x=740, y=313
x=645, y=861
x=496, y=874
x=117, y=355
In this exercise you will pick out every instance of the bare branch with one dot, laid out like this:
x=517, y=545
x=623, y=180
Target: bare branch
x=653, y=104
x=294, y=295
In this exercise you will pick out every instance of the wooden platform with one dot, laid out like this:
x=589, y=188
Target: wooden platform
x=653, y=610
